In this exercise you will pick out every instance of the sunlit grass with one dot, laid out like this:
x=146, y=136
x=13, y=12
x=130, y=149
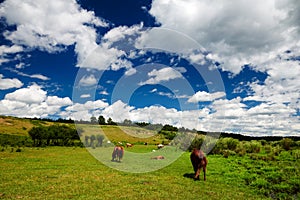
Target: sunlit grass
x=72, y=173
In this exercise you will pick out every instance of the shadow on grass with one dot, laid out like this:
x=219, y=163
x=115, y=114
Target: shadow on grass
x=189, y=175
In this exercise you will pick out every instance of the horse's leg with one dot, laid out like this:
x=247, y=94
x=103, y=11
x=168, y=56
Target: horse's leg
x=204, y=172
x=113, y=156
x=197, y=173
x=204, y=167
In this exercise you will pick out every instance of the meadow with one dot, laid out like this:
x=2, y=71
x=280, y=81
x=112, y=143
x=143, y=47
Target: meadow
x=73, y=173
x=256, y=169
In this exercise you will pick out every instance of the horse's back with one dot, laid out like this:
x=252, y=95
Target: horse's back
x=198, y=156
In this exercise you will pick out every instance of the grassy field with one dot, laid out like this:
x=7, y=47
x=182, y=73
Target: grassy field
x=250, y=170
x=72, y=173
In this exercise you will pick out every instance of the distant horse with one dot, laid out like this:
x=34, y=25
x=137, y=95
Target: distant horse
x=117, y=154
x=199, y=161
x=129, y=145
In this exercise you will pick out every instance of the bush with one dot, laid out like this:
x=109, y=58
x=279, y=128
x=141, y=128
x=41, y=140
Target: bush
x=287, y=143
x=296, y=154
x=227, y=153
x=197, y=143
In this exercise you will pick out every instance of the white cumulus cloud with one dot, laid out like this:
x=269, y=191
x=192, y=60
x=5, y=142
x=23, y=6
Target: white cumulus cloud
x=7, y=83
x=164, y=74
x=202, y=96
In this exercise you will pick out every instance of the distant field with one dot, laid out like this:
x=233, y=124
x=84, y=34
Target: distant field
x=72, y=173
x=122, y=133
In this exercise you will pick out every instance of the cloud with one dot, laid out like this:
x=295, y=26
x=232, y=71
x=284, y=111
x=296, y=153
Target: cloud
x=104, y=92
x=32, y=102
x=37, y=76
x=5, y=52
x=30, y=95
x=165, y=74
x=202, y=96
x=88, y=80
x=235, y=32
x=54, y=100
x=6, y=83
x=50, y=26
x=10, y=49
x=85, y=96
x=111, y=52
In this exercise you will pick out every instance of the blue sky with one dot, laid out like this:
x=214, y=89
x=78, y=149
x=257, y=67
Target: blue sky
x=228, y=66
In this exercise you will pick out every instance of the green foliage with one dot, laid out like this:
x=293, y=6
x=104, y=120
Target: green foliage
x=93, y=120
x=54, y=135
x=168, y=127
x=287, y=143
x=101, y=120
x=196, y=143
x=111, y=122
x=15, y=140
x=170, y=135
x=100, y=139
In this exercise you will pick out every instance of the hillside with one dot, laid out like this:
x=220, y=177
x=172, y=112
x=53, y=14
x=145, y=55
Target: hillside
x=18, y=126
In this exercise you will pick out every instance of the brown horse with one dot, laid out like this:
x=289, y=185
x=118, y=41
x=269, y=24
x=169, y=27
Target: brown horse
x=198, y=161
x=117, y=154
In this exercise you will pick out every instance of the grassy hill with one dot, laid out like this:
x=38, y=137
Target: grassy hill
x=19, y=126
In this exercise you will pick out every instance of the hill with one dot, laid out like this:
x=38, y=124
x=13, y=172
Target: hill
x=19, y=126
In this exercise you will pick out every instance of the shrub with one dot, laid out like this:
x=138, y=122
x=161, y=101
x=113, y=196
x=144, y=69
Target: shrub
x=227, y=153
x=276, y=150
x=286, y=143
x=268, y=149
x=260, y=183
x=240, y=150
x=296, y=154
x=285, y=155
x=197, y=143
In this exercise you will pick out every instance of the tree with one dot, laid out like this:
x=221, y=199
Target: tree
x=100, y=139
x=101, y=120
x=92, y=138
x=86, y=139
x=93, y=120
x=110, y=122
x=127, y=122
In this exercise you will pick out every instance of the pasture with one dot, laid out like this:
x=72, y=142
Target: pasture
x=73, y=173
x=256, y=169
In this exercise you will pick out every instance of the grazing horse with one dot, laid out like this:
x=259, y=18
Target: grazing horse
x=198, y=161
x=129, y=145
x=117, y=154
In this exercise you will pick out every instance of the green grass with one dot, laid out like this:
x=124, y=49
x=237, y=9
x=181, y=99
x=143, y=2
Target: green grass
x=72, y=173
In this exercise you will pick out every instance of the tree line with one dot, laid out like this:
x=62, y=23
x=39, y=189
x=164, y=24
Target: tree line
x=55, y=135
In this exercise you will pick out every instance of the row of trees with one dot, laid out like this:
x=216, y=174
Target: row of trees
x=56, y=135
x=102, y=121
x=93, y=140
